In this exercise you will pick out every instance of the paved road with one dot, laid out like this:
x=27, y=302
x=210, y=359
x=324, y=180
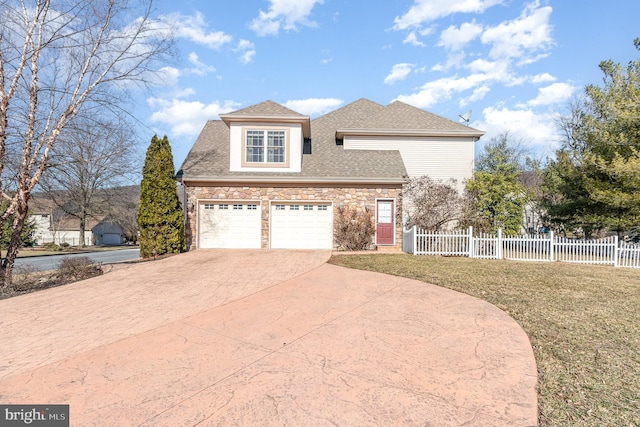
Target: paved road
x=51, y=262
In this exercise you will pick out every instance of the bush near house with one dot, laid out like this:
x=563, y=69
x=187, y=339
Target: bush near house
x=354, y=229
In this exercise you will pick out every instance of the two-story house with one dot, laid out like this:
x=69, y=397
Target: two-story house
x=268, y=177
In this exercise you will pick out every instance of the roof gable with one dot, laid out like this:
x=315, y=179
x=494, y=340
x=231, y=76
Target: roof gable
x=268, y=112
x=266, y=108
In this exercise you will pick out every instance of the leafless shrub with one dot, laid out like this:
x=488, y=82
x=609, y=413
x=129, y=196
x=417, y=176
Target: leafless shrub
x=78, y=268
x=433, y=203
x=24, y=274
x=354, y=229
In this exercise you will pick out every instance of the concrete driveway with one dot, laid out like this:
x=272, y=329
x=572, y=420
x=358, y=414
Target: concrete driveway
x=265, y=338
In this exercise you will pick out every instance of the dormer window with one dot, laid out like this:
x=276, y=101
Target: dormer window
x=265, y=147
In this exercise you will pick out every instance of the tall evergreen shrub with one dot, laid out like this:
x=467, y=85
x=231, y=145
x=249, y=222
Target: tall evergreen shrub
x=160, y=218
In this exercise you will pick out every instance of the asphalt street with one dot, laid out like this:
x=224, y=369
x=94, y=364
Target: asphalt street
x=51, y=262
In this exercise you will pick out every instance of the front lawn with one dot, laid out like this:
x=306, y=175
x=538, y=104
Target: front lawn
x=583, y=322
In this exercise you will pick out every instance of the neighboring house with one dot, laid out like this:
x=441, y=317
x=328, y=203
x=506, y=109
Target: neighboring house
x=52, y=225
x=108, y=233
x=269, y=177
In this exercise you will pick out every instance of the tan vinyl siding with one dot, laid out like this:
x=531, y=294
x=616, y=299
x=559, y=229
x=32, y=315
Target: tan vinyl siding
x=440, y=159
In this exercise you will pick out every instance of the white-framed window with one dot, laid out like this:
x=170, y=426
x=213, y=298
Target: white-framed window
x=265, y=146
x=223, y=206
x=237, y=207
x=209, y=206
x=322, y=207
x=252, y=207
x=294, y=207
x=308, y=207
x=279, y=207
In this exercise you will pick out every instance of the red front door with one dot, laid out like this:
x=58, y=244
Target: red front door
x=384, y=222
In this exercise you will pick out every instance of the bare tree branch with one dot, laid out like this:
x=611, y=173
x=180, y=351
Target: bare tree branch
x=59, y=60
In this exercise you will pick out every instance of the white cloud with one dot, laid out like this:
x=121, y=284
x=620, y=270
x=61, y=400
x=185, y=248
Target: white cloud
x=454, y=38
x=477, y=95
x=200, y=68
x=425, y=11
x=442, y=89
x=327, y=56
x=247, y=51
x=542, y=78
x=167, y=76
x=285, y=14
x=538, y=131
x=313, y=106
x=194, y=28
x=454, y=59
x=412, y=39
x=244, y=45
x=187, y=117
x=522, y=37
x=247, y=56
x=555, y=93
x=398, y=72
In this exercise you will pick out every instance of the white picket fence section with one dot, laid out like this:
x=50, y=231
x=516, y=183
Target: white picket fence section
x=608, y=251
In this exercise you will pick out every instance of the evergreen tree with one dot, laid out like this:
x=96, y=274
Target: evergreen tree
x=160, y=216
x=495, y=196
x=594, y=182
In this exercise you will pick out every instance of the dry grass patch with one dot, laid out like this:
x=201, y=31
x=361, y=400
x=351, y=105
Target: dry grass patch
x=583, y=323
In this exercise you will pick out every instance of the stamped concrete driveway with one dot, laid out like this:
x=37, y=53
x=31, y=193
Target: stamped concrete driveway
x=265, y=338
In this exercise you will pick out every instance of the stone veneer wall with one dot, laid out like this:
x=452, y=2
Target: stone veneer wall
x=359, y=196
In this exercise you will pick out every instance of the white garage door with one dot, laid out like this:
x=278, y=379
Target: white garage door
x=301, y=225
x=229, y=224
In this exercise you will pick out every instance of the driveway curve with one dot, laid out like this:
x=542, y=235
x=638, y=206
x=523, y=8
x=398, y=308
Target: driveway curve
x=265, y=338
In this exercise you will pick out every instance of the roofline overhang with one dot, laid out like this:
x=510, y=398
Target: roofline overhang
x=471, y=133
x=290, y=180
x=304, y=121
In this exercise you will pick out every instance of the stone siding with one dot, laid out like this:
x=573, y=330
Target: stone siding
x=359, y=197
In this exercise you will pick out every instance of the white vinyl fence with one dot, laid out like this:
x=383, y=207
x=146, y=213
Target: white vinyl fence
x=522, y=248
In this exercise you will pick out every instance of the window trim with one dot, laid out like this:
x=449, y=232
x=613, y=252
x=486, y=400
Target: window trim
x=265, y=163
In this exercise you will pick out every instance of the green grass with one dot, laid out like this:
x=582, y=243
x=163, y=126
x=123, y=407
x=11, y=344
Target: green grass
x=583, y=322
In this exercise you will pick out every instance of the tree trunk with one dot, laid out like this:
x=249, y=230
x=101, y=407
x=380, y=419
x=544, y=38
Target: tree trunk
x=19, y=218
x=83, y=222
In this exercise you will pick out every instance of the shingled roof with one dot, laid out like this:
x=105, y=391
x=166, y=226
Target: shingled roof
x=399, y=117
x=328, y=161
x=266, y=108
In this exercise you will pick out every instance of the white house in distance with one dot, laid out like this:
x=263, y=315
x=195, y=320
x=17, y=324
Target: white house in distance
x=268, y=177
x=51, y=225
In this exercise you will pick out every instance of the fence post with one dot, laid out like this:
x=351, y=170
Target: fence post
x=470, y=242
x=415, y=240
x=499, y=244
x=551, y=246
x=615, y=251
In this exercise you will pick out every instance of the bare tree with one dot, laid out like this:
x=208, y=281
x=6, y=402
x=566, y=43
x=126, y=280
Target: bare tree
x=433, y=204
x=58, y=61
x=90, y=157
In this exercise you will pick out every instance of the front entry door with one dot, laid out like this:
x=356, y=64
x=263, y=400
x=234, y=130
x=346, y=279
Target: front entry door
x=384, y=222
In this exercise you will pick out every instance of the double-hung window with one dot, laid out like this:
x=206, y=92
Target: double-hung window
x=265, y=146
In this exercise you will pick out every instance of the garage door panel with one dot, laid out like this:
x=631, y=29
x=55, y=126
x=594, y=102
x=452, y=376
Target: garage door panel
x=229, y=225
x=301, y=226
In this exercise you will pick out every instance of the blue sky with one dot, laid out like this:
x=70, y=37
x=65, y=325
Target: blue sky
x=514, y=64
